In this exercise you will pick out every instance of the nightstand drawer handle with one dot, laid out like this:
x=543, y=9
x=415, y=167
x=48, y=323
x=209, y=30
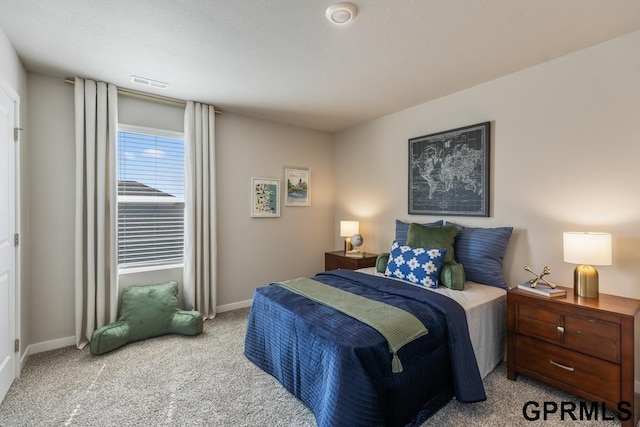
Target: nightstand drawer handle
x=568, y=368
x=560, y=329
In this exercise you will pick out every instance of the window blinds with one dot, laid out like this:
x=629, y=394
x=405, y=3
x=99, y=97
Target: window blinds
x=150, y=199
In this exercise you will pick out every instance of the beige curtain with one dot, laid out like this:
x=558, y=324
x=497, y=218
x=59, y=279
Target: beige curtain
x=96, y=269
x=199, y=287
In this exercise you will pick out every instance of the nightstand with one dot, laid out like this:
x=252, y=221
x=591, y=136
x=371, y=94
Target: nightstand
x=581, y=345
x=338, y=260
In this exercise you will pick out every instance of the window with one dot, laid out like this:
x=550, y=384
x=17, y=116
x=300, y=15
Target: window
x=150, y=173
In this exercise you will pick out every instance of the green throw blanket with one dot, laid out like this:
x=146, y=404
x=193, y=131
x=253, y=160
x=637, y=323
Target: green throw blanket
x=396, y=325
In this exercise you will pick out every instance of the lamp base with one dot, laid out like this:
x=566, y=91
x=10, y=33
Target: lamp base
x=348, y=247
x=585, y=281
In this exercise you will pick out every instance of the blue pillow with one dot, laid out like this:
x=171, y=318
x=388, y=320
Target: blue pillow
x=402, y=228
x=481, y=252
x=416, y=265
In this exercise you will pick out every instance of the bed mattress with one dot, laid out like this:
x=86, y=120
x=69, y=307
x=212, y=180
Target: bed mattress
x=486, y=309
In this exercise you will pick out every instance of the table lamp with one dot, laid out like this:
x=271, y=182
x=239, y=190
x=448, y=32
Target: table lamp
x=586, y=249
x=348, y=229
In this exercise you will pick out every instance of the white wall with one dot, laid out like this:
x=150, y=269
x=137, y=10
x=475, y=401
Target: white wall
x=565, y=148
x=52, y=209
x=565, y=157
x=252, y=252
x=11, y=67
x=151, y=114
x=257, y=251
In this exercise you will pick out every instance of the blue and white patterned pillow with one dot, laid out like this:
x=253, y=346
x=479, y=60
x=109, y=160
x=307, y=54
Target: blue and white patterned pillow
x=416, y=265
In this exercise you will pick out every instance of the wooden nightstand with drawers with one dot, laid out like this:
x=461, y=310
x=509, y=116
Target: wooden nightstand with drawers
x=338, y=260
x=581, y=345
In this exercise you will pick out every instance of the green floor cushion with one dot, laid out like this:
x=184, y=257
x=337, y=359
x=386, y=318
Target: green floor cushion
x=146, y=311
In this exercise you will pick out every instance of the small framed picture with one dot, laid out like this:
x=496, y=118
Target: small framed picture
x=298, y=190
x=265, y=197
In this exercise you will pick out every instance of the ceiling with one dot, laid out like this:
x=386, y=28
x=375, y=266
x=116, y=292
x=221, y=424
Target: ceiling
x=282, y=60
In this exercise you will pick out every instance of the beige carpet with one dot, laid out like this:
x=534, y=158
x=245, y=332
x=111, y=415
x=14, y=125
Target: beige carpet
x=207, y=381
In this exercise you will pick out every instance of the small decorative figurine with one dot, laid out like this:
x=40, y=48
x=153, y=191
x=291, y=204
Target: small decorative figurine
x=540, y=278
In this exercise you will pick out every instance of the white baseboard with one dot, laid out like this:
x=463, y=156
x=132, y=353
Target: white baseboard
x=46, y=346
x=50, y=345
x=23, y=361
x=234, y=306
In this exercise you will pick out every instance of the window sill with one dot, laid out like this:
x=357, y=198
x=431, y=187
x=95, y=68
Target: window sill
x=134, y=270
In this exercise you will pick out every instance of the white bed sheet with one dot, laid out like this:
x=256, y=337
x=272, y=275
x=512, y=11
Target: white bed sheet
x=486, y=308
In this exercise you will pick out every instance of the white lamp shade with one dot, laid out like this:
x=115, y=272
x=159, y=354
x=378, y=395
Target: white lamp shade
x=349, y=228
x=587, y=248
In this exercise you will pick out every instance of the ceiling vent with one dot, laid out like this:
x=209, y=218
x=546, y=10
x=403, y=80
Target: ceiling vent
x=148, y=82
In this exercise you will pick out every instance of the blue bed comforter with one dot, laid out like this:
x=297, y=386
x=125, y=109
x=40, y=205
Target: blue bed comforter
x=341, y=368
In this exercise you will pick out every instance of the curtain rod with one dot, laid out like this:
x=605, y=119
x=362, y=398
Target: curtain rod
x=143, y=95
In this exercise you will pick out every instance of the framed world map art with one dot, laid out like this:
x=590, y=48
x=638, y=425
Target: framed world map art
x=449, y=172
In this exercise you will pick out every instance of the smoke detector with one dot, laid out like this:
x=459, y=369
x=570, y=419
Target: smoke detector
x=341, y=13
x=148, y=82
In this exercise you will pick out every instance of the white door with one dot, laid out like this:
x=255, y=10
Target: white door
x=7, y=247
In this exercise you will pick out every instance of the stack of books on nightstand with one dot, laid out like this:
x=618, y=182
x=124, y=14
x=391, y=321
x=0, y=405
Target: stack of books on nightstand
x=355, y=254
x=542, y=289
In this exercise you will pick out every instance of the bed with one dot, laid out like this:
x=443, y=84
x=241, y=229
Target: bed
x=345, y=371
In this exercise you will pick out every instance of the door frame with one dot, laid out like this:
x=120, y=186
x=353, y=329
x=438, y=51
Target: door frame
x=13, y=95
